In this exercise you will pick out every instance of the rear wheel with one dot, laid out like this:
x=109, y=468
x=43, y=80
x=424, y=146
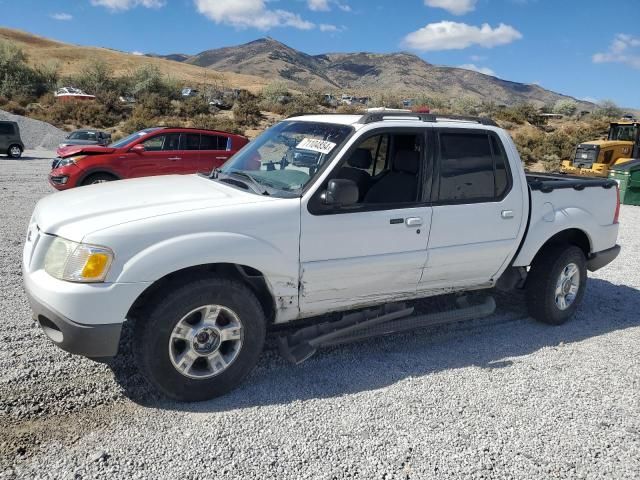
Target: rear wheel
x=98, y=178
x=200, y=340
x=556, y=283
x=14, y=151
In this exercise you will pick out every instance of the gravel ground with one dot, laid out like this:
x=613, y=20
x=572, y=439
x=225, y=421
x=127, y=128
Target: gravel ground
x=502, y=397
x=36, y=134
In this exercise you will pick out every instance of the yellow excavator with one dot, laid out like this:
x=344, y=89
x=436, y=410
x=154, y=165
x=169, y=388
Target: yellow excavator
x=594, y=159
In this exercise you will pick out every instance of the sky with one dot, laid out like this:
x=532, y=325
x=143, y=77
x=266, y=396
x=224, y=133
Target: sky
x=588, y=49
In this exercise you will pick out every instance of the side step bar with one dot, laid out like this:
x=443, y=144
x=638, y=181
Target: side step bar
x=392, y=318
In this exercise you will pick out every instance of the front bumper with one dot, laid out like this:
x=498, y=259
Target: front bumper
x=93, y=341
x=600, y=259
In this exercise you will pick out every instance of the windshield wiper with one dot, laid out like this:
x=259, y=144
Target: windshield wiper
x=252, y=183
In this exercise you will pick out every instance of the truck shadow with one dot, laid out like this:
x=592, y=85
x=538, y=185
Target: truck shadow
x=490, y=343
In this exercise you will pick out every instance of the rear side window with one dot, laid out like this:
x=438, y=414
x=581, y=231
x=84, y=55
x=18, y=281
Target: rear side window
x=472, y=167
x=192, y=141
x=6, y=129
x=213, y=142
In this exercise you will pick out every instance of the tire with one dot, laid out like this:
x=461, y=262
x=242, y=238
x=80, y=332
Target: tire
x=553, y=295
x=158, y=343
x=14, y=151
x=98, y=178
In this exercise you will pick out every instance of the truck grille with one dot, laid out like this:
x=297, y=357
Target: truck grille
x=586, y=155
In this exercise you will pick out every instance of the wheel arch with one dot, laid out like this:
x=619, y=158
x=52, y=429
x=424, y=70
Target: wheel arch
x=249, y=276
x=95, y=171
x=570, y=236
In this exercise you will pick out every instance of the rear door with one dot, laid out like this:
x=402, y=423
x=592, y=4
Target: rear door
x=215, y=149
x=190, y=153
x=478, y=209
x=162, y=156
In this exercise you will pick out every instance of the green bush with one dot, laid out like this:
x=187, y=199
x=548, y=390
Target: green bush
x=193, y=106
x=79, y=114
x=17, y=78
x=566, y=107
x=213, y=122
x=246, y=110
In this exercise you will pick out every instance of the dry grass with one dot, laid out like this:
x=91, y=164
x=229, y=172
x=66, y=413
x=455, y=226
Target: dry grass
x=71, y=59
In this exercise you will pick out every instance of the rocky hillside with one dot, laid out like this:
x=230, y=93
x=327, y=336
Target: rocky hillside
x=365, y=72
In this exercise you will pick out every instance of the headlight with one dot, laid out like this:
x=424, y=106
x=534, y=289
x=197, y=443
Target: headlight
x=77, y=262
x=63, y=162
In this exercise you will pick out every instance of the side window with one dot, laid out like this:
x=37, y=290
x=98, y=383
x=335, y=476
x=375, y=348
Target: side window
x=192, y=141
x=213, y=142
x=169, y=141
x=466, y=167
x=377, y=146
x=385, y=168
x=6, y=129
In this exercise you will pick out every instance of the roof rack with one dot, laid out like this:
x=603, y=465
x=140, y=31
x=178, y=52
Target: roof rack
x=424, y=117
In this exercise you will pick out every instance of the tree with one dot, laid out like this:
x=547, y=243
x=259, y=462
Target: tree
x=608, y=109
x=566, y=107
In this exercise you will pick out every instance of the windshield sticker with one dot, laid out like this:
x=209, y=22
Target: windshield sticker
x=314, y=145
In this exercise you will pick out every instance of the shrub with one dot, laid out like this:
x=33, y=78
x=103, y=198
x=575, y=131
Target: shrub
x=213, y=122
x=246, y=110
x=14, y=107
x=193, y=106
x=19, y=79
x=154, y=105
x=608, y=109
x=566, y=107
x=273, y=91
x=79, y=114
x=350, y=109
x=551, y=163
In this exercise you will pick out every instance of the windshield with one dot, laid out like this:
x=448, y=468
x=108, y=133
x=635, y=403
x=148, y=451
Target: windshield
x=83, y=135
x=123, y=142
x=287, y=156
x=626, y=133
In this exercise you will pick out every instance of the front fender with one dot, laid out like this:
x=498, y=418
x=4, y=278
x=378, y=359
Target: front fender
x=280, y=268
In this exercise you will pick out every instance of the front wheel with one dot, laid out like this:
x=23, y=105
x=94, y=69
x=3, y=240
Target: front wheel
x=98, y=178
x=201, y=339
x=556, y=283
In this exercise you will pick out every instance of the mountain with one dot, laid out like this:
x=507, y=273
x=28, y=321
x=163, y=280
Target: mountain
x=367, y=73
x=72, y=59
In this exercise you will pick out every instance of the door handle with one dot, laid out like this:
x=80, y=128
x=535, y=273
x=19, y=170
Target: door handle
x=413, y=221
x=174, y=158
x=221, y=158
x=506, y=214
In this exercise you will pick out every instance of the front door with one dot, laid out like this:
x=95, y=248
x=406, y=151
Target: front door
x=375, y=250
x=162, y=156
x=478, y=210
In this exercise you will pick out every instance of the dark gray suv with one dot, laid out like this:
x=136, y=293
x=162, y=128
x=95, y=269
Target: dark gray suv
x=10, y=142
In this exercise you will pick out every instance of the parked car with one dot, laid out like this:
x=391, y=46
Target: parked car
x=203, y=266
x=153, y=151
x=10, y=141
x=85, y=137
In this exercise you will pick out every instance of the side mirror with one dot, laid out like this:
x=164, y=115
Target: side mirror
x=138, y=148
x=340, y=192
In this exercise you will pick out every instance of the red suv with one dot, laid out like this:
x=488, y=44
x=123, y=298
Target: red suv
x=153, y=151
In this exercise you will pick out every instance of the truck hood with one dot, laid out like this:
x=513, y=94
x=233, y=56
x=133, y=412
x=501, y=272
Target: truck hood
x=71, y=150
x=75, y=213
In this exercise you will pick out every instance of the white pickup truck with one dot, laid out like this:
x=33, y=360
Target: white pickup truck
x=321, y=213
